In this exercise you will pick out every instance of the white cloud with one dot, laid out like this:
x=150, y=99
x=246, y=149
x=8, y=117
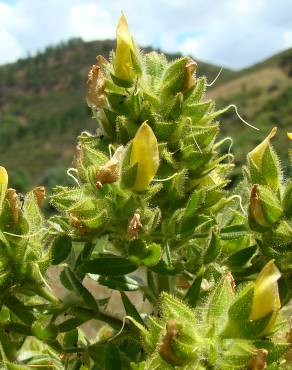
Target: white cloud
x=234, y=33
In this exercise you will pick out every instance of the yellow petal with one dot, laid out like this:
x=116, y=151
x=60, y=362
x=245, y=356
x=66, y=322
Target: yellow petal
x=123, y=62
x=289, y=134
x=257, y=153
x=3, y=185
x=3, y=177
x=145, y=153
x=266, y=294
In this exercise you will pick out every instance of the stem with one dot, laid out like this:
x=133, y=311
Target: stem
x=44, y=293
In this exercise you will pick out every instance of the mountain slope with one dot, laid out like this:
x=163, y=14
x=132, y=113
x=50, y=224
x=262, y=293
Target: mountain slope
x=43, y=109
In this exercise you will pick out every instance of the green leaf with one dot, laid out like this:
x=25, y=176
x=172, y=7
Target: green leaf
x=193, y=293
x=242, y=257
x=20, y=310
x=70, y=338
x=122, y=283
x=108, y=266
x=112, y=357
x=131, y=309
x=80, y=290
x=60, y=248
x=71, y=324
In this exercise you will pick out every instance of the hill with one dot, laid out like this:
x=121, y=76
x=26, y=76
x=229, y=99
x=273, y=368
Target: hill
x=43, y=109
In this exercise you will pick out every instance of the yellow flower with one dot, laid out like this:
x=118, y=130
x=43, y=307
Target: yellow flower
x=3, y=178
x=123, y=62
x=289, y=134
x=3, y=185
x=266, y=298
x=144, y=152
x=257, y=153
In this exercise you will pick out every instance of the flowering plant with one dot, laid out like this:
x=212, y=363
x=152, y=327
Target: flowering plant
x=150, y=216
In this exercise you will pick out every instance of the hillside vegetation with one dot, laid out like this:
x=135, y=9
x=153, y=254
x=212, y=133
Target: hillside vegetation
x=43, y=108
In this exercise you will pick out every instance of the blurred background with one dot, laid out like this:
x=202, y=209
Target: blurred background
x=47, y=47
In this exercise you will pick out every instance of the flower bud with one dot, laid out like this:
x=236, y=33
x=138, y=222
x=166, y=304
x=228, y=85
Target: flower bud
x=178, y=345
x=265, y=209
x=264, y=165
x=189, y=81
x=145, y=154
x=40, y=194
x=256, y=154
x=124, y=68
x=289, y=134
x=135, y=225
x=256, y=210
x=13, y=200
x=266, y=298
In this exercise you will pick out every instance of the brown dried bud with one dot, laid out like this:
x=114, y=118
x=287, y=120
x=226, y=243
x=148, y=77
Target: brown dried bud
x=231, y=280
x=165, y=349
x=96, y=97
x=40, y=194
x=134, y=225
x=78, y=224
x=190, y=80
x=259, y=361
x=12, y=197
x=110, y=172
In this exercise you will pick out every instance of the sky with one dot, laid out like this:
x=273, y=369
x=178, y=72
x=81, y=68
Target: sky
x=231, y=33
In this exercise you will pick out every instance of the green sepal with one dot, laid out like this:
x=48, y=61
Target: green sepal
x=176, y=107
x=271, y=169
x=287, y=199
x=173, y=78
x=239, y=325
x=197, y=111
x=213, y=248
x=121, y=83
x=219, y=302
x=270, y=204
x=141, y=253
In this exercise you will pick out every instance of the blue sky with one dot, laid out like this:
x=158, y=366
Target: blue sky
x=232, y=33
